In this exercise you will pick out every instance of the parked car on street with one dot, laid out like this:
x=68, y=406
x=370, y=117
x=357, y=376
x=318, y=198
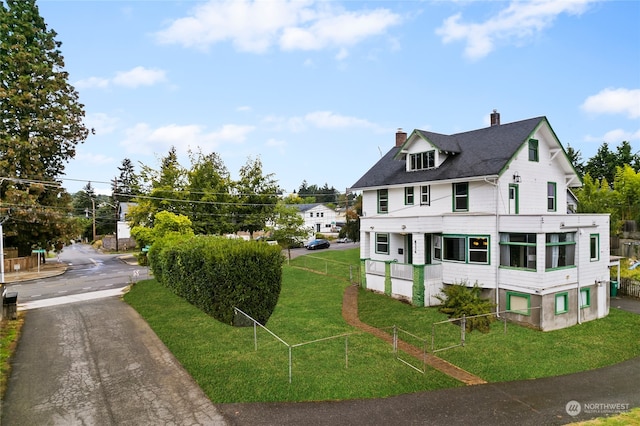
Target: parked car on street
x=318, y=244
x=344, y=240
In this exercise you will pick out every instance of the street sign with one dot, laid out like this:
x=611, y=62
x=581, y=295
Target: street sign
x=39, y=251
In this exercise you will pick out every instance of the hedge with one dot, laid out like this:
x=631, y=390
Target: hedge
x=217, y=274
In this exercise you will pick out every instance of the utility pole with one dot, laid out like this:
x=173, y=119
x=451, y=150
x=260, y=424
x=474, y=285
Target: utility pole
x=116, y=206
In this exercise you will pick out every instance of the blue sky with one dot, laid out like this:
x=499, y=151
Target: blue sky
x=317, y=89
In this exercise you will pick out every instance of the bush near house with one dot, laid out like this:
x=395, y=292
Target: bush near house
x=217, y=274
x=460, y=300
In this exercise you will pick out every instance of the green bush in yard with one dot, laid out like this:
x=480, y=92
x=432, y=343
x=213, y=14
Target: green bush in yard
x=217, y=274
x=460, y=300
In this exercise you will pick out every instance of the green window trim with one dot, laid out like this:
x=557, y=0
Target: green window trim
x=474, y=249
x=513, y=294
x=594, y=247
x=534, y=154
x=408, y=196
x=514, y=190
x=585, y=297
x=564, y=296
x=383, y=200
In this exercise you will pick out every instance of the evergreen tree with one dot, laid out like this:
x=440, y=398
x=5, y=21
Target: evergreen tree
x=40, y=126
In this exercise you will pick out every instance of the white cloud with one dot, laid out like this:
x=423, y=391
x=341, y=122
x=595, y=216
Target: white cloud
x=142, y=139
x=135, y=77
x=517, y=22
x=319, y=120
x=90, y=82
x=93, y=159
x=102, y=123
x=614, y=136
x=256, y=26
x=139, y=76
x=277, y=144
x=614, y=101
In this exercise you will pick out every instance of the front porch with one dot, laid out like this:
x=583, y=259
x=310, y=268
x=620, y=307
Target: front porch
x=418, y=284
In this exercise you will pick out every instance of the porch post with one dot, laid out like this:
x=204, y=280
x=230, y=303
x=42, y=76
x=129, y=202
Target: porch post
x=418, y=286
x=387, y=277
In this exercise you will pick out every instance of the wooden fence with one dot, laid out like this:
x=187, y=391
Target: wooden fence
x=629, y=287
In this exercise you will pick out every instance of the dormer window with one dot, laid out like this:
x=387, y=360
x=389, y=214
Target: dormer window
x=422, y=160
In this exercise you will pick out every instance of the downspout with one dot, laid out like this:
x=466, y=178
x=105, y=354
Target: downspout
x=579, y=233
x=497, y=262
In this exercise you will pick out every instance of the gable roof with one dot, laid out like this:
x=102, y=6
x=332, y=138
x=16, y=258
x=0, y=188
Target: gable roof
x=307, y=207
x=482, y=152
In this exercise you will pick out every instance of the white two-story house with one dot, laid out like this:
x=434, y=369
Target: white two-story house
x=487, y=206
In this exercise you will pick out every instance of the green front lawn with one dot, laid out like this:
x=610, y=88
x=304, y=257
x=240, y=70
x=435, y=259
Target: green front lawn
x=223, y=361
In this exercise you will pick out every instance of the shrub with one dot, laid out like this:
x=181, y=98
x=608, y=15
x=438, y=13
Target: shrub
x=217, y=274
x=460, y=299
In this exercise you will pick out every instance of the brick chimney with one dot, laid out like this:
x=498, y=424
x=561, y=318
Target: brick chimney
x=401, y=137
x=495, y=118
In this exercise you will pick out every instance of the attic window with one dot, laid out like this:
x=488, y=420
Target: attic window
x=422, y=160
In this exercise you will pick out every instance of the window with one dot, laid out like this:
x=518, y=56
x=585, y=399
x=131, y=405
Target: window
x=437, y=247
x=408, y=195
x=425, y=195
x=460, y=197
x=422, y=160
x=311, y=214
x=383, y=200
x=321, y=214
x=454, y=249
x=533, y=150
x=594, y=247
x=562, y=303
x=382, y=243
x=518, y=251
x=585, y=297
x=478, y=250
x=471, y=249
x=518, y=303
x=551, y=196
x=560, y=250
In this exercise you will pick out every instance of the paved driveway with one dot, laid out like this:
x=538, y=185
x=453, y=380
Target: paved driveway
x=98, y=363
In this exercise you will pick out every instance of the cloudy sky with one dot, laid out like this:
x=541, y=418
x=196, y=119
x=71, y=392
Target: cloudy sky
x=317, y=89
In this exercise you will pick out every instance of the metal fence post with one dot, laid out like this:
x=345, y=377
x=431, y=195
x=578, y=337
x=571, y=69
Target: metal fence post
x=463, y=329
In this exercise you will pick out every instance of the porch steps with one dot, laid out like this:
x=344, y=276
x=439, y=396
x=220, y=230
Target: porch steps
x=350, y=314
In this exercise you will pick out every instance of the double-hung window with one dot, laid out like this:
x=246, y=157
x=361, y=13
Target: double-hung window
x=533, y=150
x=383, y=200
x=425, y=195
x=382, y=243
x=422, y=160
x=408, y=195
x=551, y=197
x=461, y=197
x=560, y=250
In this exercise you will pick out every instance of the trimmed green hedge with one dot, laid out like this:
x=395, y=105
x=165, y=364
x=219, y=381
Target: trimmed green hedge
x=217, y=274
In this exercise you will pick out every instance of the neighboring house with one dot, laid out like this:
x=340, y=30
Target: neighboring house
x=124, y=229
x=317, y=217
x=486, y=206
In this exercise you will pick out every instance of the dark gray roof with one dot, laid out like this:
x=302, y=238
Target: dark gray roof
x=305, y=207
x=482, y=152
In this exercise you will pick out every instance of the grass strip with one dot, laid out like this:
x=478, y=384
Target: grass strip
x=9, y=334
